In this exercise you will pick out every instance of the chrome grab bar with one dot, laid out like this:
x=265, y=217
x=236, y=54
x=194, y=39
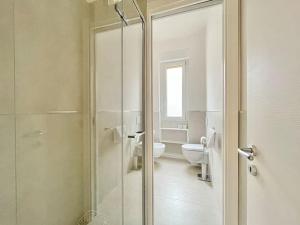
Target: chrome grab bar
x=249, y=152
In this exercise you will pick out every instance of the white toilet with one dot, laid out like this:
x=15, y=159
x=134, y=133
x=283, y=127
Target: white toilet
x=198, y=154
x=195, y=153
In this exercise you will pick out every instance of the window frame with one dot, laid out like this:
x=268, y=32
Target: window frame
x=165, y=65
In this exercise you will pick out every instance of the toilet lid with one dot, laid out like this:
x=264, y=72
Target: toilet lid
x=193, y=147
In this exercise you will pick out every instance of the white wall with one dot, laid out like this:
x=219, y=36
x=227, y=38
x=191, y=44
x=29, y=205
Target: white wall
x=193, y=49
x=214, y=60
x=190, y=46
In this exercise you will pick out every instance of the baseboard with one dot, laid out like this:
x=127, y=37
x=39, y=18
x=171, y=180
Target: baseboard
x=173, y=155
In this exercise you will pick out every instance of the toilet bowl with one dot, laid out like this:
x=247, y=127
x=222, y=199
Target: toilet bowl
x=198, y=154
x=158, y=149
x=195, y=153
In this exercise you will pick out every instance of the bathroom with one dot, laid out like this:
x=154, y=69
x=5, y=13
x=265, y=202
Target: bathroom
x=149, y=112
x=194, y=41
x=72, y=113
x=188, y=116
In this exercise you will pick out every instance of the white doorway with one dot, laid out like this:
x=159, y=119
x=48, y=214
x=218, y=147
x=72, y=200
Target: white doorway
x=188, y=77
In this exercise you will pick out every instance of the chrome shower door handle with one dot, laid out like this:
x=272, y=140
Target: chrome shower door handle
x=249, y=152
x=137, y=133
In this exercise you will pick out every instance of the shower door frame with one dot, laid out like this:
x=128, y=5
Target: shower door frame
x=231, y=74
x=93, y=196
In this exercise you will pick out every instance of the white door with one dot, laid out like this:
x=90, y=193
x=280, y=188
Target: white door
x=272, y=33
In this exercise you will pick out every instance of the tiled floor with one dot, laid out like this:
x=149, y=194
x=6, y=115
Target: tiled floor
x=179, y=198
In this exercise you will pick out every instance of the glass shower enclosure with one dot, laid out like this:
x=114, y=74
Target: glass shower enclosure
x=71, y=112
x=118, y=120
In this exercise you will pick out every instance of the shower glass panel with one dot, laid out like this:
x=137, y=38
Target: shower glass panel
x=108, y=115
x=118, y=111
x=133, y=115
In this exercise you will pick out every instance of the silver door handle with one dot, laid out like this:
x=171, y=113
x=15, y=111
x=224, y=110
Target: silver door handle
x=249, y=152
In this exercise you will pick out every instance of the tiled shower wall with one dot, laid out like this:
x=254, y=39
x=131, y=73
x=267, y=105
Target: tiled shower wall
x=7, y=118
x=41, y=112
x=110, y=153
x=196, y=125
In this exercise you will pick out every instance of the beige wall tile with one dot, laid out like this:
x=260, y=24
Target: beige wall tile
x=48, y=55
x=197, y=126
x=6, y=57
x=32, y=169
x=49, y=74
x=104, y=14
x=7, y=171
x=160, y=5
x=49, y=172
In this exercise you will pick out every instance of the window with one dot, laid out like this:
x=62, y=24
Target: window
x=173, y=90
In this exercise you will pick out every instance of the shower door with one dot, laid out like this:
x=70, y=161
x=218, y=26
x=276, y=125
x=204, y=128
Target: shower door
x=118, y=113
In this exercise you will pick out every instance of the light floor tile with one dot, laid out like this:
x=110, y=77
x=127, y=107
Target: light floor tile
x=179, y=198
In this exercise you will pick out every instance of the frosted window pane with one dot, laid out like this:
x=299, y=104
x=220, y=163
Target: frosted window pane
x=174, y=92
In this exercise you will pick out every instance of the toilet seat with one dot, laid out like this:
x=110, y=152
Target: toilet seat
x=193, y=147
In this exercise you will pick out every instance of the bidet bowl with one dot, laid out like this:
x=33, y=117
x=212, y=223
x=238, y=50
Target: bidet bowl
x=158, y=149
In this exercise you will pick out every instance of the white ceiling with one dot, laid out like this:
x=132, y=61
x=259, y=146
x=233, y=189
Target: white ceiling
x=182, y=25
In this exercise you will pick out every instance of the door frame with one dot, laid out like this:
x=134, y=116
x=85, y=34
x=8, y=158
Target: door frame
x=231, y=62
